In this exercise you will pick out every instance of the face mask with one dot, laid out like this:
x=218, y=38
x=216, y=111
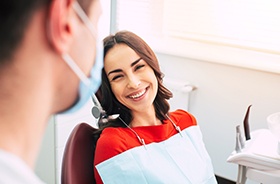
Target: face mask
x=88, y=86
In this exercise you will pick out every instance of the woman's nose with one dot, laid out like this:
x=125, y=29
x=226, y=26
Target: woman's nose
x=133, y=82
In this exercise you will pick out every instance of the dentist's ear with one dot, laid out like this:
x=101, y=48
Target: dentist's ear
x=61, y=20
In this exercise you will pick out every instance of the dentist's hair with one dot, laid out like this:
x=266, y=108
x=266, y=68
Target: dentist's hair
x=14, y=18
x=108, y=100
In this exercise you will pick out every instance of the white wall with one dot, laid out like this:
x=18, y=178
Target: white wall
x=221, y=99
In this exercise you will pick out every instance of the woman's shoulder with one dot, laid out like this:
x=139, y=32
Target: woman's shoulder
x=183, y=118
x=112, y=136
x=110, y=143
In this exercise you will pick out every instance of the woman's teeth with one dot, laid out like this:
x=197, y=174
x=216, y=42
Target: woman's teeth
x=138, y=94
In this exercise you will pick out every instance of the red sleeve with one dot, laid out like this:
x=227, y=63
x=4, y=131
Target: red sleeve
x=108, y=145
x=183, y=118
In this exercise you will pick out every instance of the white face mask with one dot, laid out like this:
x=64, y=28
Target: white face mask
x=88, y=85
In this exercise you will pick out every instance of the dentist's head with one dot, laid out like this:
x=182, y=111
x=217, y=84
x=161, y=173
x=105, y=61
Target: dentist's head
x=49, y=63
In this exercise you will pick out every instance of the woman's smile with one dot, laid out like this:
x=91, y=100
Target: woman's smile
x=139, y=95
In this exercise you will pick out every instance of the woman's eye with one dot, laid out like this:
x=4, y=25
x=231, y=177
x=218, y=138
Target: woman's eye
x=116, y=77
x=139, y=67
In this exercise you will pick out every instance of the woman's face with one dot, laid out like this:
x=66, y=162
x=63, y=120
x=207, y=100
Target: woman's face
x=132, y=80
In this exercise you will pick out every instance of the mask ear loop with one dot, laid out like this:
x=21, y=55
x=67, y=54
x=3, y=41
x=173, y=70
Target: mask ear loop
x=71, y=63
x=97, y=111
x=83, y=16
x=66, y=57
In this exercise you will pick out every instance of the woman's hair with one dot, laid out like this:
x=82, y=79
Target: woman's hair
x=108, y=100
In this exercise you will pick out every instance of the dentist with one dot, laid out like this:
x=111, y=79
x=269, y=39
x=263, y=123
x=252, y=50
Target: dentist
x=49, y=63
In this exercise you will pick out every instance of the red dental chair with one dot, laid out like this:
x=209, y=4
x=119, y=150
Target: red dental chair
x=77, y=163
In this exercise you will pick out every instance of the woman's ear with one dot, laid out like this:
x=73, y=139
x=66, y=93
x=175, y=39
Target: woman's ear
x=60, y=24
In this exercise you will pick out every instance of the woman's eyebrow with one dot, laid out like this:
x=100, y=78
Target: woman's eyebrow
x=120, y=70
x=135, y=62
x=114, y=71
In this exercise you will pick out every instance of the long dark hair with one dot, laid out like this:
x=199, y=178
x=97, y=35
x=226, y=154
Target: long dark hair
x=108, y=100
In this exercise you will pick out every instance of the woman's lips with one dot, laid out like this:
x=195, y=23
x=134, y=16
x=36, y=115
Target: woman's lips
x=137, y=95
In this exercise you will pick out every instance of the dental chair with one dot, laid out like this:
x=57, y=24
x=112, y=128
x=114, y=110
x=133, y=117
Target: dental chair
x=77, y=163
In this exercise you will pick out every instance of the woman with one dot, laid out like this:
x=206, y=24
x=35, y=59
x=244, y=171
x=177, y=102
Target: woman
x=145, y=143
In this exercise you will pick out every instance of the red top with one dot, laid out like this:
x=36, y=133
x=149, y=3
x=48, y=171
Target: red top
x=114, y=141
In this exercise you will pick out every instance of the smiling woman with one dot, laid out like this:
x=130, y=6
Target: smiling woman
x=145, y=142
x=132, y=80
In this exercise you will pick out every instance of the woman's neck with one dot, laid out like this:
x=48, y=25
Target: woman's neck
x=145, y=118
